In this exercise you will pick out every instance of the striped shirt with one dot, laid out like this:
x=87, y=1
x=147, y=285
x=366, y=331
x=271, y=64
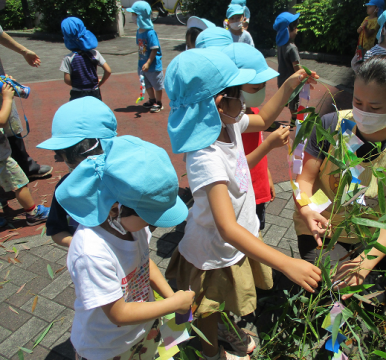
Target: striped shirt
x=375, y=50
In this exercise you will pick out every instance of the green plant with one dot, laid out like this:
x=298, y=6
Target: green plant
x=330, y=25
x=12, y=15
x=97, y=15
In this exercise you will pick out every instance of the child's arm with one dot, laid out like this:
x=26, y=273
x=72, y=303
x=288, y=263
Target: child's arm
x=277, y=139
x=271, y=186
x=123, y=313
x=7, y=93
x=271, y=110
x=63, y=238
x=354, y=272
x=158, y=282
x=106, y=73
x=299, y=271
x=151, y=58
x=368, y=32
x=67, y=79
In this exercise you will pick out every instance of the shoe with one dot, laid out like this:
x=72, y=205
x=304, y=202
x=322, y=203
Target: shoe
x=226, y=355
x=156, y=108
x=43, y=171
x=3, y=222
x=40, y=216
x=149, y=103
x=244, y=346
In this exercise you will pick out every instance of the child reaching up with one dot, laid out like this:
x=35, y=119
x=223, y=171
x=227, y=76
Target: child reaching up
x=80, y=67
x=235, y=16
x=116, y=316
x=150, y=55
x=220, y=253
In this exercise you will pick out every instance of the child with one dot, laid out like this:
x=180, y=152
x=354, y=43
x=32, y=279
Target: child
x=80, y=128
x=369, y=114
x=214, y=37
x=380, y=48
x=108, y=260
x=150, y=55
x=235, y=16
x=195, y=25
x=369, y=27
x=287, y=53
x=12, y=177
x=220, y=252
x=80, y=67
x=247, y=13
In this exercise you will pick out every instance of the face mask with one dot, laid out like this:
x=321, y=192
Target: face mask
x=116, y=223
x=236, y=25
x=242, y=111
x=255, y=99
x=368, y=123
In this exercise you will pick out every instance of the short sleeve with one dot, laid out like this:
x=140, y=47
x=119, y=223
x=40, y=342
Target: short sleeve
x=293, y=53
x=97, y=55
x=373, y=25
x=96, y=281
x=57, y=219
x=205, y=167
x=152, y=40
x=313, y=148
x=368, y=54
x=250, y=39
x=244, y=123
x=66, y=64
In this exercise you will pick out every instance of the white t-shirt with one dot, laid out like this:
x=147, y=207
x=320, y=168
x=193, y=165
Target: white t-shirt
x=245, y=37
x=202, y=244
x=104, y=268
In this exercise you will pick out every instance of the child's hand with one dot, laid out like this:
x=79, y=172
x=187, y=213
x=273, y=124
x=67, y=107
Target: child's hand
x=295, y=79
x=145, y=67
x=183, y=301
x=31, y=58
x=279, y=137
x=316, y=223
x=303, y=273
x=7, y=91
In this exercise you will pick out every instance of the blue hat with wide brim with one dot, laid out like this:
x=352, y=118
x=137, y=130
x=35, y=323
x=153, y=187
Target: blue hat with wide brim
x=79, y=119
x=381, y=23
x=133, y=172
x=246, y=56
x=281, y=26
x=214, y=38
x=192, y=80
x=242, y=3
x=143, y=11
x=76, y=36
x=200, y=23
x=234, y=9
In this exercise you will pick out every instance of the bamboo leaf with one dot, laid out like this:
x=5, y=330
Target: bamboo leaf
x=368, y=222
x=355, y=289
x=334, y=238
x=366, y=318
x=379, y=353
x=381, y=196
x=43, y=232
x=20, y=354
x=222, y=307
x=306, y=69
x=326, y=276
x=50, y=272
x=20, y=288
x=297, y=90
x=326, y=134
x=200, y=334
x=28, y=351
x=13, y=310
x=34, y=303
x=43, y=334
x=380, y=247
x=231, y=324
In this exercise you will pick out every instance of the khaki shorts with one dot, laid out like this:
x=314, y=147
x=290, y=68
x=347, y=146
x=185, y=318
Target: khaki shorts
x=12, y=177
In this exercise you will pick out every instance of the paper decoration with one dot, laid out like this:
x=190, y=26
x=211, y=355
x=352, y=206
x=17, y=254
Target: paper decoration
x=173, y=334
x=297, y=166
x=165, y=354
x=339, y=339
x=304, y=199
x=142, y=89
x=352, y=141
x=356, y=171
x=340, y=356
x=346, y=125
x=299, y=151
x=328, y=322
x=183, y=318
x=170, y=316
x=319, y=201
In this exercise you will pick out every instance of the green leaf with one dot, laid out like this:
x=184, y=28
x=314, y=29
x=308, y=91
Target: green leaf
x=50, y=272
x=334, y=238
x=366, y=318
x=222, y=307
x=43, y=232
x=355, y=289
x=43, y=334
x=224, y=320
x=380, y=247
x=335, y=328
x=14, y=250
x=20, y=354
x=264, y=336
x=326, y=134
x=306, y=70
x=231, y=324
x=340, y=164
x=381, y=196
x=326, y=276
x=200, y=334
x=368, y=222
x=379, y=353
x=297, y=90
x=28, y=351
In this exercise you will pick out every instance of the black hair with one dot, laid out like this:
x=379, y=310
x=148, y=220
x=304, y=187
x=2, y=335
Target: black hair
x=373, y=69
x=126, y=211
x=233, y=91
x=292, y=26
x=192, y=34
x=78, y=152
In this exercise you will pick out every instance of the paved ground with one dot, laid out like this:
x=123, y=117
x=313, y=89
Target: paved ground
x=48, y=92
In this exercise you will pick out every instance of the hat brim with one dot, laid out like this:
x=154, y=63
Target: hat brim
x=236, y=12
x=195, y=21
x=264, y=76
x=59, y=143
x=244, y=76
x=130, y=10
x=171, y=217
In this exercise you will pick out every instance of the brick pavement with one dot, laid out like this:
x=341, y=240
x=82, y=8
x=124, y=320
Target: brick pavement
x=56, y=297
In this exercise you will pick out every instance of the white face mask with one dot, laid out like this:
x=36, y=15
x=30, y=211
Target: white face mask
x=236, y=25
x=255, y=99
x=369, y=123
x=241, y=113
x=116, y=223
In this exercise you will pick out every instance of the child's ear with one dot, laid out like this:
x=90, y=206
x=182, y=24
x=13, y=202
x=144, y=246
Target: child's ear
x=218, y=102
x=114, y=211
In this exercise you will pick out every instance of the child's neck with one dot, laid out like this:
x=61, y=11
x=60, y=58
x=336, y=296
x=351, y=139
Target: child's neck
x=224, y=136
x=373, y=15
x=236, y=32
x=109, y=229
x=142, y=30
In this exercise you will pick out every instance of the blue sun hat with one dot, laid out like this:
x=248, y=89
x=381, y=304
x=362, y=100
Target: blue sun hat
x=247, y=57
x=214, y=37
x=281, y=26
x=380, y=4
x=192, y=80
x=234, y=9
x=133, y=172
x=200, y=23
x=143, y=11
x=79, y=119
x=381, y=23
x=243, y=3
x=76, y=36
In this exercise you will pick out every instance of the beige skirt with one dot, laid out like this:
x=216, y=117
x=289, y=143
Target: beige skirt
x=234, y=285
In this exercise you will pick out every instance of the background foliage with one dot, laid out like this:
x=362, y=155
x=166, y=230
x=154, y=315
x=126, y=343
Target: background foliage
x=97, y=15
x=12, y=17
